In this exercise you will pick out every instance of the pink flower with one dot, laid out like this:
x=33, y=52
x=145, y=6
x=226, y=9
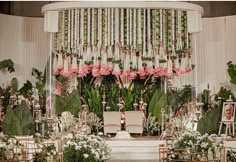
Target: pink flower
x=65, y=74
x=132, y=75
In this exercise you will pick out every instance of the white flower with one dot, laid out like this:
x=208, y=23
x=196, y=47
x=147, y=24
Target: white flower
x=85, y=156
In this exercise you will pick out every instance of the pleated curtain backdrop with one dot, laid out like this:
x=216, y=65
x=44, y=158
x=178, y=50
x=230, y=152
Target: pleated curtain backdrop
x=22, y=39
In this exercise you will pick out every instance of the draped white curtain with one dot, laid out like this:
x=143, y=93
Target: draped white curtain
x=22, y=39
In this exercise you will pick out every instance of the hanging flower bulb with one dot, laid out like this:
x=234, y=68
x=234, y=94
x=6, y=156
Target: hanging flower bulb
x=176, y=65
x=189, y=65
x=133, y=73
x=65, y=71
x=81, y=71
x=74, y=67
x=116, y=70
x=169, y=68
x=104, y=67
x=183, y=65
x=149, y=67
x=157, y=64
x=55, y=70
x=69, y=63
x=141, y=71
x=95, y=71
x=126, y=70
x=110, y=55
x=60, y=62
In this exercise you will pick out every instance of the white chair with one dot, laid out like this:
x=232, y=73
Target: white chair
x=134, y=121
x=111, y=121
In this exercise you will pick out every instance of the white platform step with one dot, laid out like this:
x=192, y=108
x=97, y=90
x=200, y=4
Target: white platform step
x=135, y=149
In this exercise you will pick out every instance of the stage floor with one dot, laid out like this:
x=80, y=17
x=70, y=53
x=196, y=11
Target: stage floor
x=135, y=149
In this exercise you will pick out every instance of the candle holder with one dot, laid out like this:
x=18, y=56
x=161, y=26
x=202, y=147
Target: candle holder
x=37, y=116
x=104, y=101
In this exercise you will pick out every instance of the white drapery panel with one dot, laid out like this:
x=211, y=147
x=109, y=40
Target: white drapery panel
x=22, y=39
x=211, y=54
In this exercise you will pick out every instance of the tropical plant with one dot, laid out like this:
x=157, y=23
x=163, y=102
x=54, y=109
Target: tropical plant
x=86, y=148
x=26, y=119
x=7, y=63
x=11, y=124
x=179, y=97
x=209, y=123
x=232, y=72
x=73, y=103
x=94, y=100
x=157, y=102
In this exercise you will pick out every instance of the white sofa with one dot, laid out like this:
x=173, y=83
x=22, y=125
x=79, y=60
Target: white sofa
x=134, y=121
x=111, y=121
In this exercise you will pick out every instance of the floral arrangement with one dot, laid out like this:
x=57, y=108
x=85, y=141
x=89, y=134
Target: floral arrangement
x=231, y=155
x=86, y=148
x=10, y=148
x=150, y=125
x=45, y=152
x=205, y=146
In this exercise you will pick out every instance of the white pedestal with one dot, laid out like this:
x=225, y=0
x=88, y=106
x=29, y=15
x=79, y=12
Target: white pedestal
x=122, y=135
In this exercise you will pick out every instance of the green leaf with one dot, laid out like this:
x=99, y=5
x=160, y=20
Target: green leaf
x=59, y=103
x=73, y=103
x=11, y=124
x=26, y=119
x=7, y=63
x=14, y=84
x=27, y=86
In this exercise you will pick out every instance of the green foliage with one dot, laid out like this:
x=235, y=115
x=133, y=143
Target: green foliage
x=26, y=119
x=14, y=84
x=127, y=96
x=150, y=125
x=158, y=101
x=7, y=63
x=232, y=72
x=113, y=94
x=225, y=93
x=26, y=88
x=94, y=100
x=59, y=104
x=73, y=103
x=11, y=124
x=179, y=97
x=209, y=123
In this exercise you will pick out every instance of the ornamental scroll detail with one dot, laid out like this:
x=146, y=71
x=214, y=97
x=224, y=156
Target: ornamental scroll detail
x=125, y=42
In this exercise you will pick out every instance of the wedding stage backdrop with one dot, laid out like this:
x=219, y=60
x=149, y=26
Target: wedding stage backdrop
x=23, y=40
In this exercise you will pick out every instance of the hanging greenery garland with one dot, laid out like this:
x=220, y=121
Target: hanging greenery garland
x=154, y=37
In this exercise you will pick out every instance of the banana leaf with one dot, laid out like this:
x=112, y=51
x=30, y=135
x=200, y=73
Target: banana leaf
x=73, y=103
x=161, y=103
x=156, y=96
x=26, y=119
x=11, y=124
x=7, y=63
x=59, y=103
